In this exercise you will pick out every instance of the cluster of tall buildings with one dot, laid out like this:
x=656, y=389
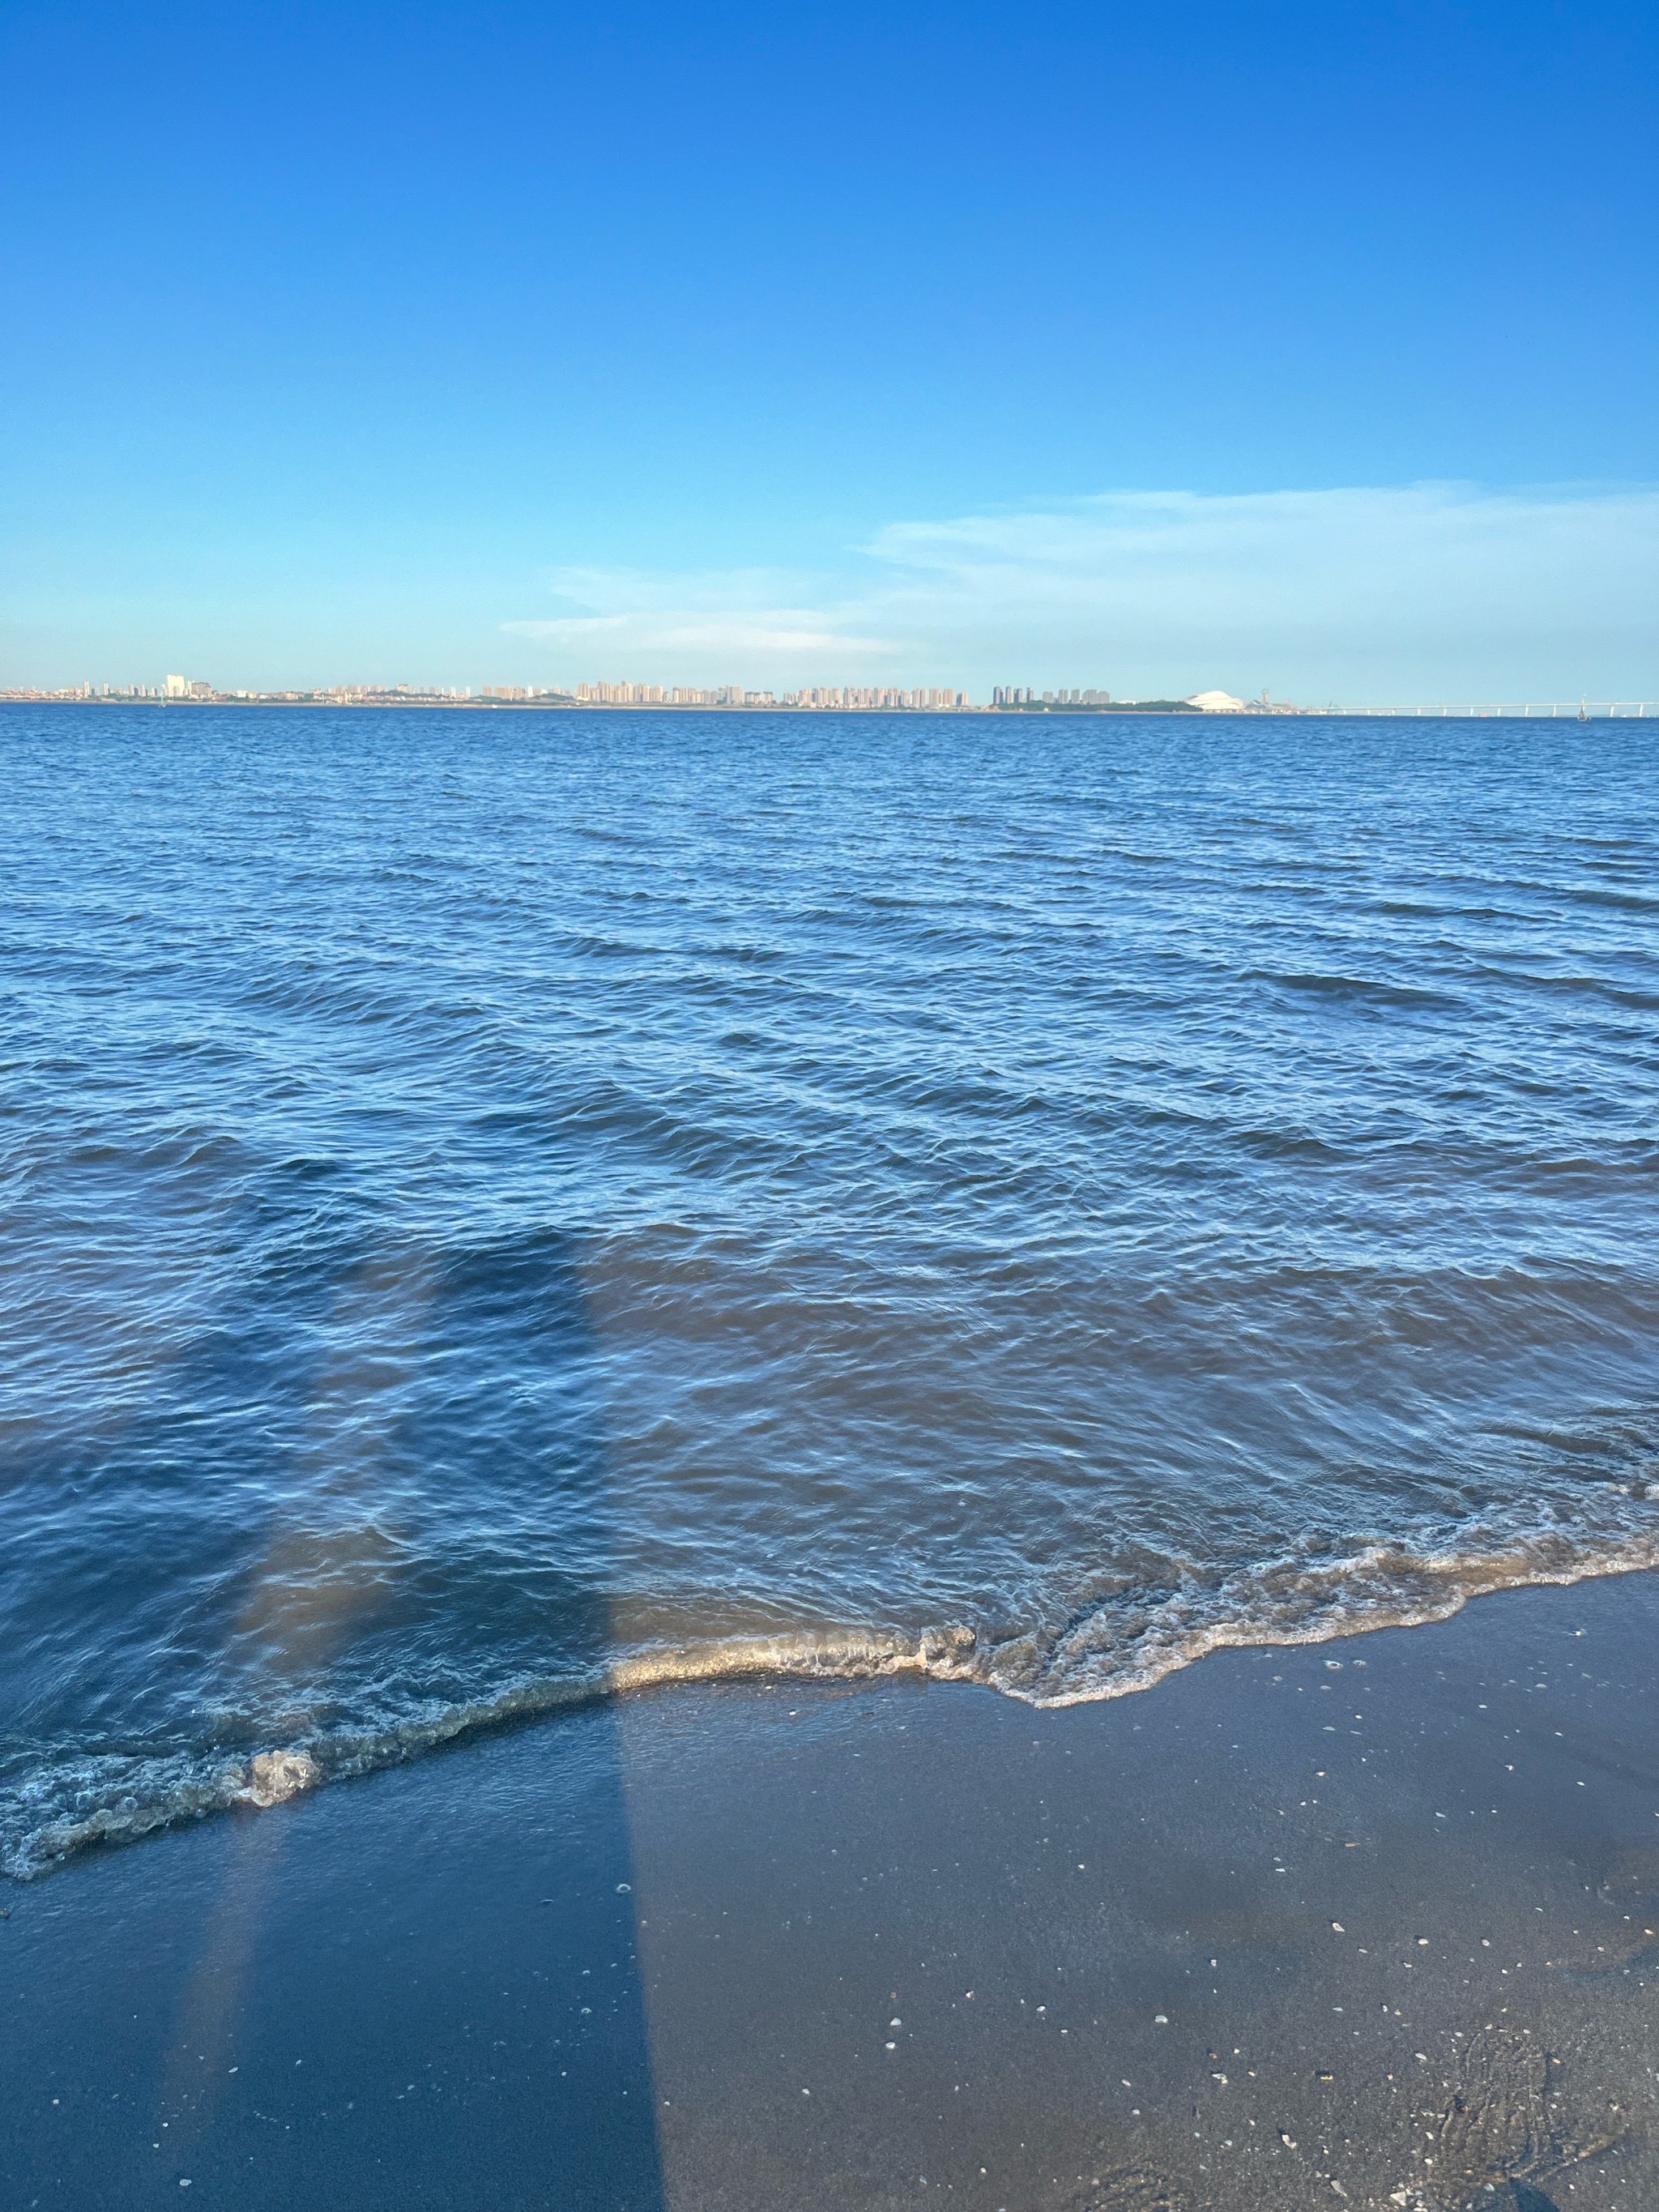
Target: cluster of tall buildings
x=370, y=695
x=654, y=694
x=174, y=687
x=1015, y=696
x=842, y=696
x=927, y=700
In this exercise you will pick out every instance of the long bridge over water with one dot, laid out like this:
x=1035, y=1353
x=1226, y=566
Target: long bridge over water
x=1573, y=710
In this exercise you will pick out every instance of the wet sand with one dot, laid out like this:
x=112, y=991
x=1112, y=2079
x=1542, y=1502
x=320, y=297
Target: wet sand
x=1371, y=1922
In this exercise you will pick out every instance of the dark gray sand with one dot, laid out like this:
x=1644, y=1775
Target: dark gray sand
x=1371, y=1923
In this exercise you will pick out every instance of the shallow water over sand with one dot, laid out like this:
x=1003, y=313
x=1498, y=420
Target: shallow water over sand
x=500, y=1206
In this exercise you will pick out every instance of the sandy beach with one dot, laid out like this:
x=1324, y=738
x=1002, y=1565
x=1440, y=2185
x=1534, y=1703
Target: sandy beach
x=1371, y=1922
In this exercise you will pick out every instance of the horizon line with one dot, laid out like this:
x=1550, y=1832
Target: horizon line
x=521, y=698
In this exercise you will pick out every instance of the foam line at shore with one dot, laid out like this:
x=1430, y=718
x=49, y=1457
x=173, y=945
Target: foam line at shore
x=1127, y=1643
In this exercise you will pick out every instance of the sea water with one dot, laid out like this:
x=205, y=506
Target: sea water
x=503, y=1206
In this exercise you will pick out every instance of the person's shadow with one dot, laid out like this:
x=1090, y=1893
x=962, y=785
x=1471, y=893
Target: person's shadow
x=382, y=1471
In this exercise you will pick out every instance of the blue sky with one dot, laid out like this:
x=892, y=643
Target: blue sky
x=1309, y=346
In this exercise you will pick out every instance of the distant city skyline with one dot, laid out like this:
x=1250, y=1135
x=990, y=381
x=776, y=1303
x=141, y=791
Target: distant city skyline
x=1013, y=699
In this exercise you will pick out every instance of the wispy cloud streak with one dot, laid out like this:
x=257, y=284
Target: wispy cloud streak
x=1429, y=592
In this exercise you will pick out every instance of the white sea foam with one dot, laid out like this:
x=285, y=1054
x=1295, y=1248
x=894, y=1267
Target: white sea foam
x=1129, y=1643
x=1293, y=1601
x=275, y=1776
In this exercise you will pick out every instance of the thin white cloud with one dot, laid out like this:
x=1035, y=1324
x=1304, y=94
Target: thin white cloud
x=765, y=631
x=1427, y=592
x=711, y=625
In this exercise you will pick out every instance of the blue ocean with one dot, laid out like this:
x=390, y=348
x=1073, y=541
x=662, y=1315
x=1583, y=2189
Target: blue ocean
x=504, y=1207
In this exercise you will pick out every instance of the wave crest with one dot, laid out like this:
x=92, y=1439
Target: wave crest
x=1123, y=1639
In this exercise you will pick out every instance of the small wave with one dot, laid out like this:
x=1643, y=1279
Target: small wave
x=1124, y=1642
x=154, y=1794
x=1130, y=1643
x=1359, y=990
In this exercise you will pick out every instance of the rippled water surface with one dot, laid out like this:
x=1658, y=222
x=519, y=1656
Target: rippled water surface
x=498, y=1203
